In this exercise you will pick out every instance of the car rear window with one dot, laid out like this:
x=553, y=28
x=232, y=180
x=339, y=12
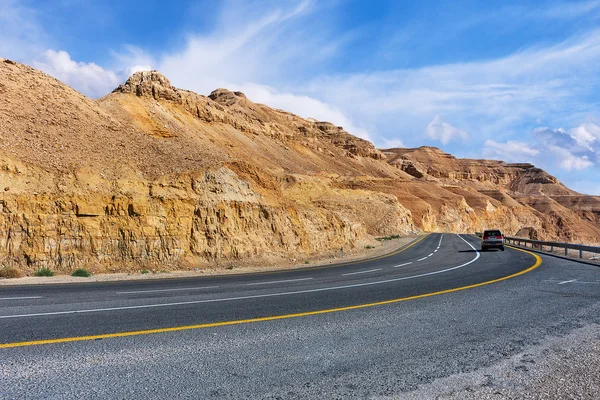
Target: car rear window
x=492, y=233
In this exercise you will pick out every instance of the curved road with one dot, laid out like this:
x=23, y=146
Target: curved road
x=345, y=330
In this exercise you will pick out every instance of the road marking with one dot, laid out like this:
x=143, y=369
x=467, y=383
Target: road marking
x=435, y=251
x=286, y=280
x=20, y=298
x=400, y=250
x=402, y=265
x=421, y=259
x=573, y=281
x=430, y=255
x=168, y=290
x=362, y=272
x=563, y=282
x=93, y=310
x=537, y=263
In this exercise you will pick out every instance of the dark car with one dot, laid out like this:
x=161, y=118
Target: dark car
x=491, y=239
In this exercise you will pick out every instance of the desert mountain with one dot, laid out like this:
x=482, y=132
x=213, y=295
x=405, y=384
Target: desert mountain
x=153, y=174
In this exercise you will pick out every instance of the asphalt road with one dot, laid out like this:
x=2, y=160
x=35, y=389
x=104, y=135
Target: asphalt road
x=347, y=346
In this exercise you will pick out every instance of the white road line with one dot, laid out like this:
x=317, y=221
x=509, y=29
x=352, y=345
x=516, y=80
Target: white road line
x=168, y=290
x=402, y=265
x=184, y=303
x=435, y=251
x=440, y=243
x=430, y=255
x=563, y=282
x=287, y=280
x=421, y=259
x=20, y=298
x=571, y=281
x=362, y=272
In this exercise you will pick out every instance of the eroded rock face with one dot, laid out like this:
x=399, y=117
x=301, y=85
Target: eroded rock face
x=120, y=225
x=149, y=83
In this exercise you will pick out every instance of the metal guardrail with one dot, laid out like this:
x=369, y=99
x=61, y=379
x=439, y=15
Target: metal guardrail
x=538, y=244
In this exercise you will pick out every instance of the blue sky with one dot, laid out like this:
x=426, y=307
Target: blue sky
x=516, y=81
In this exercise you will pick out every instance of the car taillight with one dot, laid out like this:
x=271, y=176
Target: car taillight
x=498, y=237
x=485, y=237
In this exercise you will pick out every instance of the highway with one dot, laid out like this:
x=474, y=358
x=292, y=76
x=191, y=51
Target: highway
x=382, y=327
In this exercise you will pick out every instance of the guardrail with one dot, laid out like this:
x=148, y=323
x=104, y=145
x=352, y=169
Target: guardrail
x=538, y=244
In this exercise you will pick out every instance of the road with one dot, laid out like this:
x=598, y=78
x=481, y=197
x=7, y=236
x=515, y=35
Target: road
x=382, y=327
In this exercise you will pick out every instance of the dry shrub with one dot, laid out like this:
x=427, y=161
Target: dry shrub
x=11, y=272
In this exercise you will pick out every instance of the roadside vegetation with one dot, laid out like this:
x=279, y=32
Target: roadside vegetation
x=82, y=273
x=44, y=272
x=384, y=238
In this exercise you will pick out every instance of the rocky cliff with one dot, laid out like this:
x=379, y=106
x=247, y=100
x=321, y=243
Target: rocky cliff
x=465, y=195
x=153, y=175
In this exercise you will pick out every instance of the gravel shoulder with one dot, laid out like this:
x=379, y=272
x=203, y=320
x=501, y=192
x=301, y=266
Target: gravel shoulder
x=357, y=254
x=558, y=368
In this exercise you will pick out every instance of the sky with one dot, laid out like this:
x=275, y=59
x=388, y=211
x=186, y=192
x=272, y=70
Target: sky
x=513, y=80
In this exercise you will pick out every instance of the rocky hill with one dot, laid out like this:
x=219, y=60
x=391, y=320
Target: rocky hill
x=156, y=175
x=520, y=198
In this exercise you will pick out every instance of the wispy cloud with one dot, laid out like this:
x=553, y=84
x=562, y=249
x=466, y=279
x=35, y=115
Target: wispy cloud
x=485, y=97
x=243, y=49
x=444, y=132
x=302, y=105
x=577, y=149
x=512, y=150
x=564, y=10
x=89, y=78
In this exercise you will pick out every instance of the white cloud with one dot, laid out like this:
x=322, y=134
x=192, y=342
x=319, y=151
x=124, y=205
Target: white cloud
x=392, y=143
x=490, y=97
x=138, y=68
x=444, y=132
x=512, y=150
x=130, y=60
x=574, y=150
x=588, y=136
x=252, y=42
x=304, y=106
x=569, y=161
x=88, y=78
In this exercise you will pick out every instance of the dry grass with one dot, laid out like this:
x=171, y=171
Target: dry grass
x=11, y=273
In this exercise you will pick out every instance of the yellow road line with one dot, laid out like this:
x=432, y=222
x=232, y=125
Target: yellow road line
x=538, y=262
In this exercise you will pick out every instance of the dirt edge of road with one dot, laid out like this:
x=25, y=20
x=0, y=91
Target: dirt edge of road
x=386, y=247
x=557, y=368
